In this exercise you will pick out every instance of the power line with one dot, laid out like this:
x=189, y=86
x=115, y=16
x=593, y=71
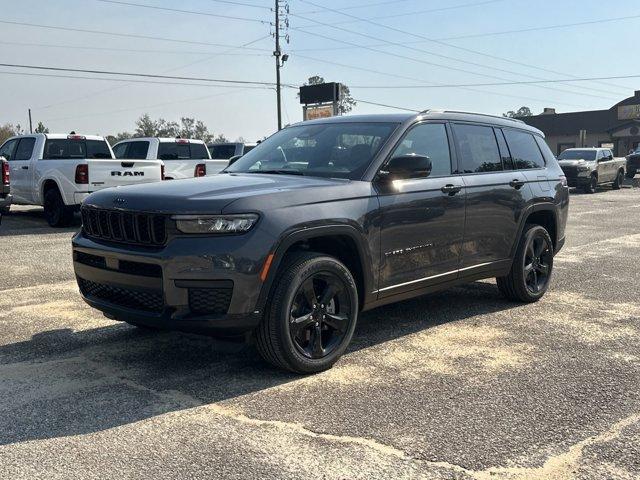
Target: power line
x=468, y=50
x=130, y=35
x=175, y=10
x=498, y=84
x=242, y=4
x=144, y=75
x=414, y=13
x=366, y=5
x=418, y=60
x=359, y=100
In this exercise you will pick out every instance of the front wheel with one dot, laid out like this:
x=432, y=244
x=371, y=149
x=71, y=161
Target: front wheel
x=617, y=184
x=311, y=315
x=592, y=185
x=55, y=211
x=532, y=266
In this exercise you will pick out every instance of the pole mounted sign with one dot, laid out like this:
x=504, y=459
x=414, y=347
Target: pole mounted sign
x=320, y=101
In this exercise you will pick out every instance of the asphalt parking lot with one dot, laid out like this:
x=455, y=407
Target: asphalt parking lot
x=459, y=385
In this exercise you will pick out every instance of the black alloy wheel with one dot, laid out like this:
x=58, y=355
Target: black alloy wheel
x=538, y=262
x=320, y=315
x=311, y=313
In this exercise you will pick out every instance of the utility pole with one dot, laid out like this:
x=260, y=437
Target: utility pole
x=30, y=123
x=280, y=58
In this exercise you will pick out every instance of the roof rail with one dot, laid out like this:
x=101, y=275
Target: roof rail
x=474, y=113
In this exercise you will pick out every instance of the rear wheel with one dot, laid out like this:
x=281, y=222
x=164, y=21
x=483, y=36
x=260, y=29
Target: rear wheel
x=592, y=186
x=617, y=184
x=532, y=266
x=311, y=316
x=55, y=211
x=631, y=172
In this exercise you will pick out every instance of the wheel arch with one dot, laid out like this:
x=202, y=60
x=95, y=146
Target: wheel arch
x=46, y=185
x=344, y=242
x=544, y=214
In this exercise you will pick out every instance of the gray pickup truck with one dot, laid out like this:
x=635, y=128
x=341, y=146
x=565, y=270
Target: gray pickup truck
x=586, y=168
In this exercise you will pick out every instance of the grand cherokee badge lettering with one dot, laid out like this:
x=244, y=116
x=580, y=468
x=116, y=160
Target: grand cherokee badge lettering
x=127, y=174
x=119, y=201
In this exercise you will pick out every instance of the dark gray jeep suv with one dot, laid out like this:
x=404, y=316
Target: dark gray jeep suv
x=323, y=220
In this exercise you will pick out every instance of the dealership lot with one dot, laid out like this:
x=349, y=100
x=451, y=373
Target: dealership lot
x=457, y=385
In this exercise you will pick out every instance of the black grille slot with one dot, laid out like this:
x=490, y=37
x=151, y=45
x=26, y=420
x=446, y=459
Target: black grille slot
x=209, y=301
x=142, y=269
x=570, y=172
x=91, y=260
x=114, y=225
x=148, y=301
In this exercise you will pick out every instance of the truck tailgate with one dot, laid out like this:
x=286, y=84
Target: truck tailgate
x=112, y=173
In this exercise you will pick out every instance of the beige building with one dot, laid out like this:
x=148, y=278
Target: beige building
x=617, y=128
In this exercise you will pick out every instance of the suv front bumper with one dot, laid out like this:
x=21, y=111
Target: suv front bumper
x=188, y=285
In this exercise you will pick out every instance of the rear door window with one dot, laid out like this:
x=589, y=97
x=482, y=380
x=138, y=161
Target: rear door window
x=7, y=149
x=524, y=150
x=478, y=149
x=174, y=151
x=137, y=150
x=25, y=148
x=120, y=150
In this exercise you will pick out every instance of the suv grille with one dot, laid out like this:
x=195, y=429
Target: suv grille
x=209, y=301
x=570, y=172
x=149, y=301
x=132, y=228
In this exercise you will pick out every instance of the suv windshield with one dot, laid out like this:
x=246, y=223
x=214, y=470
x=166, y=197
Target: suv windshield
x=339, y=150
x=578, y=155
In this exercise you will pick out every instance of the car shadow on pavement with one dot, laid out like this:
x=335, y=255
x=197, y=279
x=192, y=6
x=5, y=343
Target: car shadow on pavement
x=32, y=221
x=64, y=382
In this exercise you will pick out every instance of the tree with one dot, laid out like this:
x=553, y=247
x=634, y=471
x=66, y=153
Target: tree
x=9, y=130
x=41, y=128
x=118, y=137
x=187, y=128
x=521, y=112
x=346, y=103
x=220, y=138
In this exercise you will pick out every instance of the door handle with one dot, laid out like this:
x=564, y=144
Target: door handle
x=25, y=167
x=517, y=184
x=451, y=189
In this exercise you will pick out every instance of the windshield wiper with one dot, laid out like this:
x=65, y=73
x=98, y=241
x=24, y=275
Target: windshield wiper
x=277, y=172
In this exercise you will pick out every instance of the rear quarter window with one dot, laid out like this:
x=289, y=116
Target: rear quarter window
x=544, y=148
x=524, y=149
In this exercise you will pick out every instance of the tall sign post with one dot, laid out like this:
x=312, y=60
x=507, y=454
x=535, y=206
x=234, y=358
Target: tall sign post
x=320, y=101
x=280, y=58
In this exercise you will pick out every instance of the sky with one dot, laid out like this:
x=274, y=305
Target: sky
x=408, y=43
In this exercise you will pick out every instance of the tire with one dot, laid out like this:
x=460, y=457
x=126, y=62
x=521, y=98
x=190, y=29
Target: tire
x=517, y=285
x=617, y=184
x=593, y=185
x=55, y=211
x=323, y=329
x=631, y=173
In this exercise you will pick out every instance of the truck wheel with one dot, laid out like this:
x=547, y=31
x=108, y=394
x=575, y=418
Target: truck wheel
x=592, y=186
x=532, y=267
x=311, y=314
x=617, y=184
x=631, y=173
x=55, y=211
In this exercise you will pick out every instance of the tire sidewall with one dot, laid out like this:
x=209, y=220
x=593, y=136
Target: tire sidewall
x=287, y=293
x=527, y=236
x=53, y=207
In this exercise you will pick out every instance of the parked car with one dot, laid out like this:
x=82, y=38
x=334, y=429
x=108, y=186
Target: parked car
x=59, y=171
x=230, y=151
x=633, y=163
x=586, y=168
x=5, y=186
x=326, y=219
x=182, y=157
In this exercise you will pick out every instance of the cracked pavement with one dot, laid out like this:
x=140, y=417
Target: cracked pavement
x=458, y=385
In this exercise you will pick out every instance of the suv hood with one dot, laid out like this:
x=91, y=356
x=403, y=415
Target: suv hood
x=210, y=195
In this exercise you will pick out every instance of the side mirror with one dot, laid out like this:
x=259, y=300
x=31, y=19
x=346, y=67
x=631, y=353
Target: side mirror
x=407, y=166
x=234, y=159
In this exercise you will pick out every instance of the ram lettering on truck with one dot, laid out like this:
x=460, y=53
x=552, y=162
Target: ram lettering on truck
x=59, y=171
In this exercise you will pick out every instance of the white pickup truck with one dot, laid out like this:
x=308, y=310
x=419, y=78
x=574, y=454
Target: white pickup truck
x=182, y=157
x=59, y=171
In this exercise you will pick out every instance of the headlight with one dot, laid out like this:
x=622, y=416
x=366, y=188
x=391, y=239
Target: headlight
x=215, y=223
